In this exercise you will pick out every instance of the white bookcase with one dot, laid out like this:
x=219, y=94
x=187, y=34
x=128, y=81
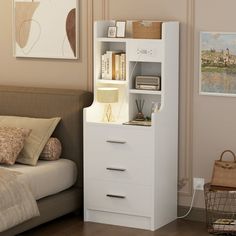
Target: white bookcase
x=130, y=171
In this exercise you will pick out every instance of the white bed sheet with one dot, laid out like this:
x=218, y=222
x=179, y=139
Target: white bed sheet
x=47, y=177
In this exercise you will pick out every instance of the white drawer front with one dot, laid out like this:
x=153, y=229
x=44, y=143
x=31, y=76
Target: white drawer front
x=122, y=170
x=145, y=50
x=119, y=198
x=126, y=161
x=120, y=140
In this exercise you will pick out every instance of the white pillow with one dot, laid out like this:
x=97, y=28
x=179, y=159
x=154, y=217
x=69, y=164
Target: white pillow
x=42, y=130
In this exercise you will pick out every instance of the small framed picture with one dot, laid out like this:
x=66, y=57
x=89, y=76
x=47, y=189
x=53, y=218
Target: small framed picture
x=120, y=29
x=111, y=32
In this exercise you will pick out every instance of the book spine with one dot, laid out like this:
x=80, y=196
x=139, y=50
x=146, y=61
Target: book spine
x=111, y=65
x=123, y=66
x=113, y=71
x=108, y=67
x=117, y=66
x=120, y=68
x=103, y=65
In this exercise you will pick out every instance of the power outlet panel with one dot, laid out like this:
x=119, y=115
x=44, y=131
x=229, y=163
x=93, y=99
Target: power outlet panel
x=198, y=183
x=146, y=52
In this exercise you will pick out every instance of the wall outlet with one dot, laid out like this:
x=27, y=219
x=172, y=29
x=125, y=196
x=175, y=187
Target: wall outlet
x=198, y=183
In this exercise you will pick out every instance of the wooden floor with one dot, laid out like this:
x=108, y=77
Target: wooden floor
x=74, y=226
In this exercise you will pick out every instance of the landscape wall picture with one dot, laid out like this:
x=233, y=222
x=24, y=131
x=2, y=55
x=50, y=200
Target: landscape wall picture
x=45, y=28
x=218, y=63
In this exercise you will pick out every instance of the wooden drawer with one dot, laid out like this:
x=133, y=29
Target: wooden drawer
x=119, y=198
x=119, y=154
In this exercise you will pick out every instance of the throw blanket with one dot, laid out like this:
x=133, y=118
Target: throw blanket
x=17, y=203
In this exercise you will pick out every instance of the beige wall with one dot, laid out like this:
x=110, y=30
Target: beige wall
x=206, y=123
x=214, y=126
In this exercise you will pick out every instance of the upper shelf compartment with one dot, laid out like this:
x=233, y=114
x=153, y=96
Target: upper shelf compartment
x=134, y=29
x=139, y=49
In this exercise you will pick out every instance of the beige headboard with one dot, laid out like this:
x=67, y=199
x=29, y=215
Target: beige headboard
x=46, y=103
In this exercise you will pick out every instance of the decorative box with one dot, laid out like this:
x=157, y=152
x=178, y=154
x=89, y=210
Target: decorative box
x=146, y=29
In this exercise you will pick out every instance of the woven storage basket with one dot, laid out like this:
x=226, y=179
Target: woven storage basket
x=220, y=210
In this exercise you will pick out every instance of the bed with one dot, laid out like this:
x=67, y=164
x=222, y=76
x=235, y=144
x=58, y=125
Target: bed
x=47, y=103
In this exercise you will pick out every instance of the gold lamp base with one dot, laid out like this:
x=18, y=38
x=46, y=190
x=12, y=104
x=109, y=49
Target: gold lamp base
x=108, y=116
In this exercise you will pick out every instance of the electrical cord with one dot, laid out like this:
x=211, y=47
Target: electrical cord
x=190, y=208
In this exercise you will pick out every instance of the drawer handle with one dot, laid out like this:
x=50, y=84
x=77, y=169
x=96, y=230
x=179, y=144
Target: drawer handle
x=115, y=196
x=116, y=141
x=116, y=169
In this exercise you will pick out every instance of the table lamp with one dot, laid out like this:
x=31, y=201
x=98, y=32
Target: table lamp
x=107, y=95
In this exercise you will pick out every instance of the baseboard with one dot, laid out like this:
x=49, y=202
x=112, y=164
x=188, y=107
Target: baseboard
x=196, y=214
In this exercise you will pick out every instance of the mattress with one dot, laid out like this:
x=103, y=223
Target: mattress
x=47, y=177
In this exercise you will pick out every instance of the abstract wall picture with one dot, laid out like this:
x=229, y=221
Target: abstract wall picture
x=218, y=63
x=46, y=28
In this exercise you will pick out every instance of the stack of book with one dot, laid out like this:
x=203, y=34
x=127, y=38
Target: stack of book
x=114, y=65
x=225, y=225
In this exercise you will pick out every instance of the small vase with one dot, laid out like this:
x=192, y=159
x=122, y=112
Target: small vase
x=140, y=117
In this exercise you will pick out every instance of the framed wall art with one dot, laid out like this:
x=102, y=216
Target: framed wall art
x=217, y=63
x=45, y=29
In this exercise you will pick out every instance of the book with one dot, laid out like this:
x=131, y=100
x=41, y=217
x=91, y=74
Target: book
x=103, y=66
x=123, y=66
x=117, y=66
x=225, y=222
x=113, y=65
x=110, y=65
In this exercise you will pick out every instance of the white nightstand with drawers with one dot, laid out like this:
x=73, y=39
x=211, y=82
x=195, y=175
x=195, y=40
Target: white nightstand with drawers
x=130, y=171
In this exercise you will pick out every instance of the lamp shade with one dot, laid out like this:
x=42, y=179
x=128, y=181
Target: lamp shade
x=107, y=95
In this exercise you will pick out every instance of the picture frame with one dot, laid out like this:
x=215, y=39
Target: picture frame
x=111, y=32
x=217, y=64
x=120, y=29
x=46, y=29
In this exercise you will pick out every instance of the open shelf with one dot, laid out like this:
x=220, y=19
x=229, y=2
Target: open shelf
x=107, y=81
x=123, y=40
x=142, y=91
x=103, y=39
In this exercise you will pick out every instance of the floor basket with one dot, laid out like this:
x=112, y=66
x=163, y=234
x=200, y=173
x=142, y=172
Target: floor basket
x=220, y=210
